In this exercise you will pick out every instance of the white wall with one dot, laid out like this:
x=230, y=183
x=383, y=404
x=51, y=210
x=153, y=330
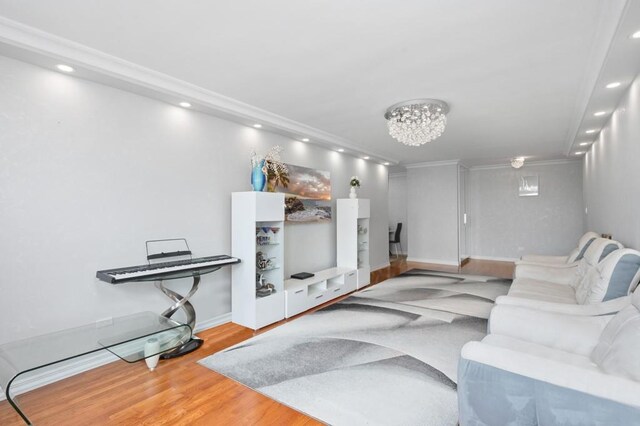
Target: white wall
x=612, y=173
x=432, y=212
x=502, y=224
x=88, y=173
x=398, y=207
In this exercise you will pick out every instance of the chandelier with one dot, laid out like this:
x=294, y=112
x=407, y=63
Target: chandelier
x=517, y=162
x=418, y=121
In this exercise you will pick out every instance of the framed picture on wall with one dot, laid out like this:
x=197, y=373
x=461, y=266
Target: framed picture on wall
x=307, y=194
x=528, y=186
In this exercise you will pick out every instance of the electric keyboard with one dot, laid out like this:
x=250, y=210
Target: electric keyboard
x=163, y=269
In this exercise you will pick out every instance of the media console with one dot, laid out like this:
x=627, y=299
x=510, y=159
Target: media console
x=325, y=285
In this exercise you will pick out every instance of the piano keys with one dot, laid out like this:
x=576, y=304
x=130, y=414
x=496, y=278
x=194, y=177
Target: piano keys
x=163, y=270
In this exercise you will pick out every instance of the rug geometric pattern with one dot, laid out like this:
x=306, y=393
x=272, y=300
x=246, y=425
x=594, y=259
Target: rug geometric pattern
x=385, y=355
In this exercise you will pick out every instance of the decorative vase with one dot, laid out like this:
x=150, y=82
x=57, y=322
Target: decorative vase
x=352, y=193
x=152, y=353
x=258, y=179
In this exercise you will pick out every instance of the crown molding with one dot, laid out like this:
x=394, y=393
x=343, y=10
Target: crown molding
x=600, y=53
x=398, y=174
x=38, y=47
x=432, y=164
x=527, y=163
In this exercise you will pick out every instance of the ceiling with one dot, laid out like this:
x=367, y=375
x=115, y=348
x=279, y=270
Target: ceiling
x=518, y=75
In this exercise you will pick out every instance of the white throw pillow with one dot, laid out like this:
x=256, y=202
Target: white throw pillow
x=619, y=345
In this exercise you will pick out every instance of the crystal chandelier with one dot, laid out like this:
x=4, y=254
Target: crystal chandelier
x=517, y=162
x=418, y=121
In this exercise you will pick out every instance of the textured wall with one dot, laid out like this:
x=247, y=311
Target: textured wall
x=504, y=225
x=432, y=211
x=612, y=173
x=398, y=207
x=88, y=173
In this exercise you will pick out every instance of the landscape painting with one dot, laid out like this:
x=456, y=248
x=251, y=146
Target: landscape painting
x=307, y=194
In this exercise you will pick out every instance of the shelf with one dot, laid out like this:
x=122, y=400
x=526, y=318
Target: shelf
x=273, y=268
x=266, y=295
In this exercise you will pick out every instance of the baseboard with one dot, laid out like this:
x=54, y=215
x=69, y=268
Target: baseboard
x=213, y=322
x=435, y=261
x=499, y=259
x=89, y=362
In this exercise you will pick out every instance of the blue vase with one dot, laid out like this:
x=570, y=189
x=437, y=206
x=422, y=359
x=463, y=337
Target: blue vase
x=258, y=179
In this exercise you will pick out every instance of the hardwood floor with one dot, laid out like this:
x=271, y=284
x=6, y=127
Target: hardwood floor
x=180, y=391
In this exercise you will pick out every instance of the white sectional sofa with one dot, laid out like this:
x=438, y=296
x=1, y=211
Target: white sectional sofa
x=549, y=368
x=575, y=255
x=563, y=348
x=598, y=284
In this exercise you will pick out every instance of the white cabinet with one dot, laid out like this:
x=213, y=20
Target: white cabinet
x=353, y=237
x=257, y=239
x=301, y=295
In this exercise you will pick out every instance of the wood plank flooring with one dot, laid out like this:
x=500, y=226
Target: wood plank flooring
x=180, y=391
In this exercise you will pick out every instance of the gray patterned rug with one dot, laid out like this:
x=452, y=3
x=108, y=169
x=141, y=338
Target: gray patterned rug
x=387, y=355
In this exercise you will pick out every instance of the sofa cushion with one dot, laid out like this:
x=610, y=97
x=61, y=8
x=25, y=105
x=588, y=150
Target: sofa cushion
x=619, y=345
x=616, y=276
x=528, y=288
x=538, y=350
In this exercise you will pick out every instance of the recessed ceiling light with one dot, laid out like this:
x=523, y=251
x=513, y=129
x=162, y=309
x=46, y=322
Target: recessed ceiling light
x=636, y=34
x=584, y=144
x=386, y=163
x=366, y=157
x=257, y=126
x=613, y=85
x=590, y=131
x=305, y=139
x=340, y=149
x=579, y=153
x=185, y=104
x=599, y=113
x=65, y=68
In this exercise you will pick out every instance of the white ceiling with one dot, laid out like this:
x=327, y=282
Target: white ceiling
x=517, y=74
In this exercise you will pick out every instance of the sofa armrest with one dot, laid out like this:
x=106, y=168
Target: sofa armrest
x=569, y=333
x=534, y=258
x=591, y=381
x=556, y=275
x=603, y=308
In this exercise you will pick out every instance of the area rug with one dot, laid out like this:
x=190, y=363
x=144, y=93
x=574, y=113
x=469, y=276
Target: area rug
x=385, y=355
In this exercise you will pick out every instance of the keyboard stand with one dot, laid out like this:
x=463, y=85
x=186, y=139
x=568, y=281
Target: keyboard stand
x=182, y=302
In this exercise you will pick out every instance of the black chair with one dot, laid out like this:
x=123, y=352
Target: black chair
x=396, y=239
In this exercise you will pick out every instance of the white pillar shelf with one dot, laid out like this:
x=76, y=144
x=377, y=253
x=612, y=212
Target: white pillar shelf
x=257, y=238
x=352, y=238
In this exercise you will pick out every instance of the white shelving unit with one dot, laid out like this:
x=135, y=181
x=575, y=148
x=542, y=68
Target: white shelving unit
x=353, y=237
x=257, y=239
x=301, y=295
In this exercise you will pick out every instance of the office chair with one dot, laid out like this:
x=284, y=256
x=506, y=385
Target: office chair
x=396, y=239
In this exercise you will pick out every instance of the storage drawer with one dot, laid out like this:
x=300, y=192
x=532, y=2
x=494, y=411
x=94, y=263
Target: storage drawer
x=296, y=302
x=318, y=298
x=350, y=281
x=269, y=309
x=364, y=277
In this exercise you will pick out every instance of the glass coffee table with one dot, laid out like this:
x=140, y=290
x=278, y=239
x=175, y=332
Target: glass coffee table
x=125, y=337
